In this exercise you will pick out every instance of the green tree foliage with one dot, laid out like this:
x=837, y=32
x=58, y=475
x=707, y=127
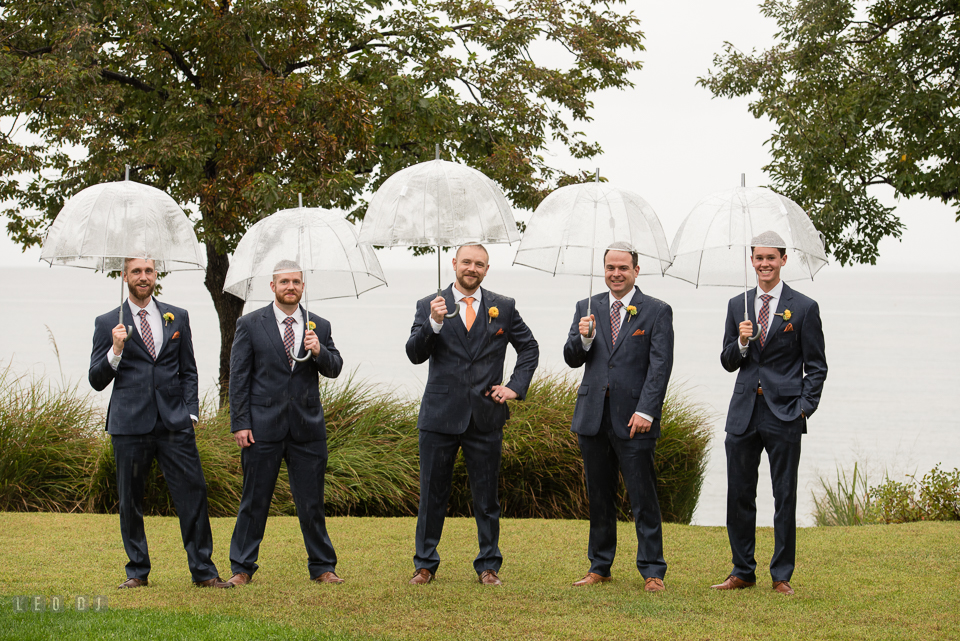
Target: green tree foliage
x=234, y=107
x=862, y=94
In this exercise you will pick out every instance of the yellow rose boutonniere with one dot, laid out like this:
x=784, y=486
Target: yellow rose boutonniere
x=311, y=326
x=493, y=313
x=786, y=314
x=632, y=311
x=167, y=319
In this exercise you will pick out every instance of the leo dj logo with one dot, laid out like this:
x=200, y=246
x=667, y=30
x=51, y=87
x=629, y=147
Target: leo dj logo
x=40, y=603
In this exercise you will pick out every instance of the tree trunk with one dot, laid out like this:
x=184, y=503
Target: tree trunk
x=229, y=309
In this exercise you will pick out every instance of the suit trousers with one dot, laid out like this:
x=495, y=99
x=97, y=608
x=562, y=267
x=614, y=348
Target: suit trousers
x=605, y=457
x=438, y=453
x=781, y=440
x=176, y=453
x=306, y=467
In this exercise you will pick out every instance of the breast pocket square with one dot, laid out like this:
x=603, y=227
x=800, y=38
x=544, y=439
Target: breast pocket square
x=175, y=336
x=499, y=332
x=639, y=332
x=788, y=328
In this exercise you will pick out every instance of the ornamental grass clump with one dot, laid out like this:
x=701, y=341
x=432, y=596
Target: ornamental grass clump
x=47, y=445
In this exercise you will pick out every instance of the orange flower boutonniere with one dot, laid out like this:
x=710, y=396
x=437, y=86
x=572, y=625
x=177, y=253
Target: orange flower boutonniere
x=631, y=311
x=168, y=318
x=493, y=313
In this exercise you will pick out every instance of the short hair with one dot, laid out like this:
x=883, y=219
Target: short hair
x=126, y=262
x=769, y=239
x=622, y=246
x=286, y=267
x=473, y=245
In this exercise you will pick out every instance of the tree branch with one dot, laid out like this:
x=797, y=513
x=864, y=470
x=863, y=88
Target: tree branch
x=260, y=59
x=180, y=62
x=130, y=81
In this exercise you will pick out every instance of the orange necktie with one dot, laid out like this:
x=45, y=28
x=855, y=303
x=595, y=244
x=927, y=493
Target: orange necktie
x=471, y=315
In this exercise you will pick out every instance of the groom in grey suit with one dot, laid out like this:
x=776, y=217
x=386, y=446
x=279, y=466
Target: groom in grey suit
x=628, y=357
x=780, y=377
x=276, y=415
x=464, y=404
x=153, y=409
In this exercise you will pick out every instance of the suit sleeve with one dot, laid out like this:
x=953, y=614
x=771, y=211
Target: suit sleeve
x=731, y=356
x=329, y=362
x=573, y=352
x=422, y=337
x=814, y=360
x=101, y=374
x=660, y=365
x=528, y=355
x=241, y=368
x=189, y=379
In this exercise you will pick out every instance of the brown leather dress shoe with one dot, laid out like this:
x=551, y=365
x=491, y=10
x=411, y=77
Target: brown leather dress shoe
x=215, y=582
x=783, y=587
x=733, y=583
x=132, y=583
x=489, y=577
x=592, y=578
x=329, y=577
x=653, y=584
x=238, y=579
x=421, y=577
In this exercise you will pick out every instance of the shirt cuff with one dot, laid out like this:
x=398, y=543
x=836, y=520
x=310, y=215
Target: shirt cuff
x=587, y=342
x=644, y=416
x=113, y=359
x=435, y=325
x=743, y=348
x=194, y=419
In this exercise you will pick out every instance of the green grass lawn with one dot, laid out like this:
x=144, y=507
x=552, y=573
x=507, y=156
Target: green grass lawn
x=875, y=582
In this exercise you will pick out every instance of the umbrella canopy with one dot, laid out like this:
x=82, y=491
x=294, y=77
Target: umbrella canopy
x=712, y=246
x=438, y=203
x=322, y=242
x=572, y=227
x=103, y=224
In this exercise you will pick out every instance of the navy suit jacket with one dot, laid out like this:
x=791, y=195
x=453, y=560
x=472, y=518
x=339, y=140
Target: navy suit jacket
x=791, y=367
x=144, y=387
x=636, y=370
x=266, y=396
x=465, y=365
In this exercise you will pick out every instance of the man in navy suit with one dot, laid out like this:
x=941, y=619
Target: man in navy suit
x=628, y=358
x=152, y=413
x=464, y=404
x=276, y=415
x=779, y=380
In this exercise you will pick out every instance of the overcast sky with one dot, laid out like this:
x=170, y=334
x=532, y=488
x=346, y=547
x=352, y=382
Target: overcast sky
x=669, y=141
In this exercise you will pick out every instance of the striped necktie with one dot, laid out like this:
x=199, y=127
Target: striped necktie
x=146, y=334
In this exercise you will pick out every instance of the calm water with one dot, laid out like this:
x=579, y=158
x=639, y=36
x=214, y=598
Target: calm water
x=888, y=402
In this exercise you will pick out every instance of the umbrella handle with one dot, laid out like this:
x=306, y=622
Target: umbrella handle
x=129, y=333
x=750, y=339
x=456, y=308
x=306, y=357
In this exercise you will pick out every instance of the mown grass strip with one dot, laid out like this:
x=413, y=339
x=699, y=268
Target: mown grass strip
x=882, y=582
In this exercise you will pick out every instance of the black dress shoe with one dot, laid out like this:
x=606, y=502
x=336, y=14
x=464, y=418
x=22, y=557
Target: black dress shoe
x=132, y=583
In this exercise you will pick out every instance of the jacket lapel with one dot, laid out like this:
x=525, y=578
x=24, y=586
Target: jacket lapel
x=305, y=318
x=165, y=327
x=455, y=324
x=482, y=325
x=269, y=322
x=636, y=301
x=777, y=321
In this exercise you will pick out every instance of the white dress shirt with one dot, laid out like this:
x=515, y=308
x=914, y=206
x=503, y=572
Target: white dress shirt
x=154, y=320
x=588, y=342
x=757, y=304
x=297, y=326
x=458, y=297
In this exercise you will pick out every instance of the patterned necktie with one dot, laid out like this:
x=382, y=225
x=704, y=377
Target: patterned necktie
x=470, y=315
x=288, y=338
x=146, y=334
x=763, y=318
x=615, y=320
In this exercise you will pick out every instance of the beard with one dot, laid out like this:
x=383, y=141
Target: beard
x=133, y=288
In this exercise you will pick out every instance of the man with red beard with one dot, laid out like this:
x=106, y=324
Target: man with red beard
x=153, y=410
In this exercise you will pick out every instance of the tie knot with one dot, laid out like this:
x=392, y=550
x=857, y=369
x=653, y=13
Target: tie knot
x=142, y=313
x=765, y=297
x=617, y=305
x=468, y=300
x=289, y=320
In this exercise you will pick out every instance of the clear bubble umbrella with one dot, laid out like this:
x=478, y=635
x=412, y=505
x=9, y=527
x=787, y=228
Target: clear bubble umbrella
x=712, y=246
x=575, y=221
x=102, y=225
x=438, y=204
x=323, y=243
